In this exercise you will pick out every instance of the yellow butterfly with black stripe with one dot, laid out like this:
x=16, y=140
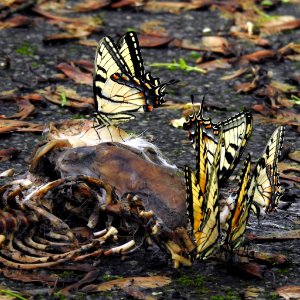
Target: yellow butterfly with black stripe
x=266, y=182
x=121, y=85
x=202, y=191
x=237, y=219
x=236, y=133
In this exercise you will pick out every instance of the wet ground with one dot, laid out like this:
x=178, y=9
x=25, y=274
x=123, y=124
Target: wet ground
x=204, y=280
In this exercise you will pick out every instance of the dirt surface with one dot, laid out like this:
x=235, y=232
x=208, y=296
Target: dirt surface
x=204, y=280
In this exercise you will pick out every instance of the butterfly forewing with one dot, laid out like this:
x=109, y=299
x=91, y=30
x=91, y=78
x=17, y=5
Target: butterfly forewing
x=129, y=49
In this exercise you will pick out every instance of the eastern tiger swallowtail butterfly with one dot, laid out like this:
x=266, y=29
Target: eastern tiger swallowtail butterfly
x=266, y=180
x=121, y=85
x=236, y=222
x=202, y=199
x=236, y=132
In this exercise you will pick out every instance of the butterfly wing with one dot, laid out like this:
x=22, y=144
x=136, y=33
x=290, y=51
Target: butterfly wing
x=202, y=203
x=267, y=187
x=236, y=131
x=129, y=49
x=237, y=221
x=116, y=93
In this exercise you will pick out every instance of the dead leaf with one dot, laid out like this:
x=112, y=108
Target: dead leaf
x=151, y=41
x=252, y=292
x=7, y=126
x=257, y=56
x=90, y=5
x=255, y=39
x=123, y=3
x=75, y=74
x=84, y=65
x=289, y=291
x=72, y=98
x=175, y=7
x=283, y=87
x=223, y=63
x=235, y=74
x=23, y=276
x=14, y=22
x=26, y=109
x=279, y=24
x=7, y=173
x=278, y=236
x=250, y=269
x=295, y=155
x=142, y=282
x=8, y=154
x=246, y=86
x=215, y=44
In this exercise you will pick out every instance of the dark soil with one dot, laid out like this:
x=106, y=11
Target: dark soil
x=204, y=280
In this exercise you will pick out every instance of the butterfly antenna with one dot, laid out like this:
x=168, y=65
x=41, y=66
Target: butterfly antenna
x=201, y=108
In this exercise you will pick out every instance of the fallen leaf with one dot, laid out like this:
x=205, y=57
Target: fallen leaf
x=142, y=282
x=295, y=155
x=7, y=173
x=90, y=5
x=75, y=74
x=246, y=86
x=72, y=98
x=151, y=41
x=257, y=56
x=175, y=7
x=255, y=39
x=252, y=292
x=235, y=74
x=278, y=236
x=14, y=22
x=209, y=43
x=289, y=291
x=25, y=110
x=283, y=87
x=279, y=25
x=20, y=126
x=223, y=63
x=8, y=154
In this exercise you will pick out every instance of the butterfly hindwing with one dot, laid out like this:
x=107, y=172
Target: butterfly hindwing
x=202, y=202
x=267, y=187
x=239, y=214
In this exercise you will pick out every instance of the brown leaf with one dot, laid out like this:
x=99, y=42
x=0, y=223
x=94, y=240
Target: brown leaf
x=215, y=44
x=246, y=86
x=175, y=7
x=8, y=154
x=85, y=65
x=90, y=5
x=151, y=41
x=252, y=292
x=274, y=27
x=123, y=3
x=73, y=99
x=278, y=236
x=75, y=74
x=26, y=109
x=255, y=39
x=20, y=126
x=263, y=109
x=235, y=74
x=23, y=276
x=257, y=56
x=223, y=63
x=143, y=282
x=251, y=269
x=17, y=21
x=295, y=155
x=289, y=291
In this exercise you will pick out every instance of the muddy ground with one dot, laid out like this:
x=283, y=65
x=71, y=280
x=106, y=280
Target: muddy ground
x=204, y=280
